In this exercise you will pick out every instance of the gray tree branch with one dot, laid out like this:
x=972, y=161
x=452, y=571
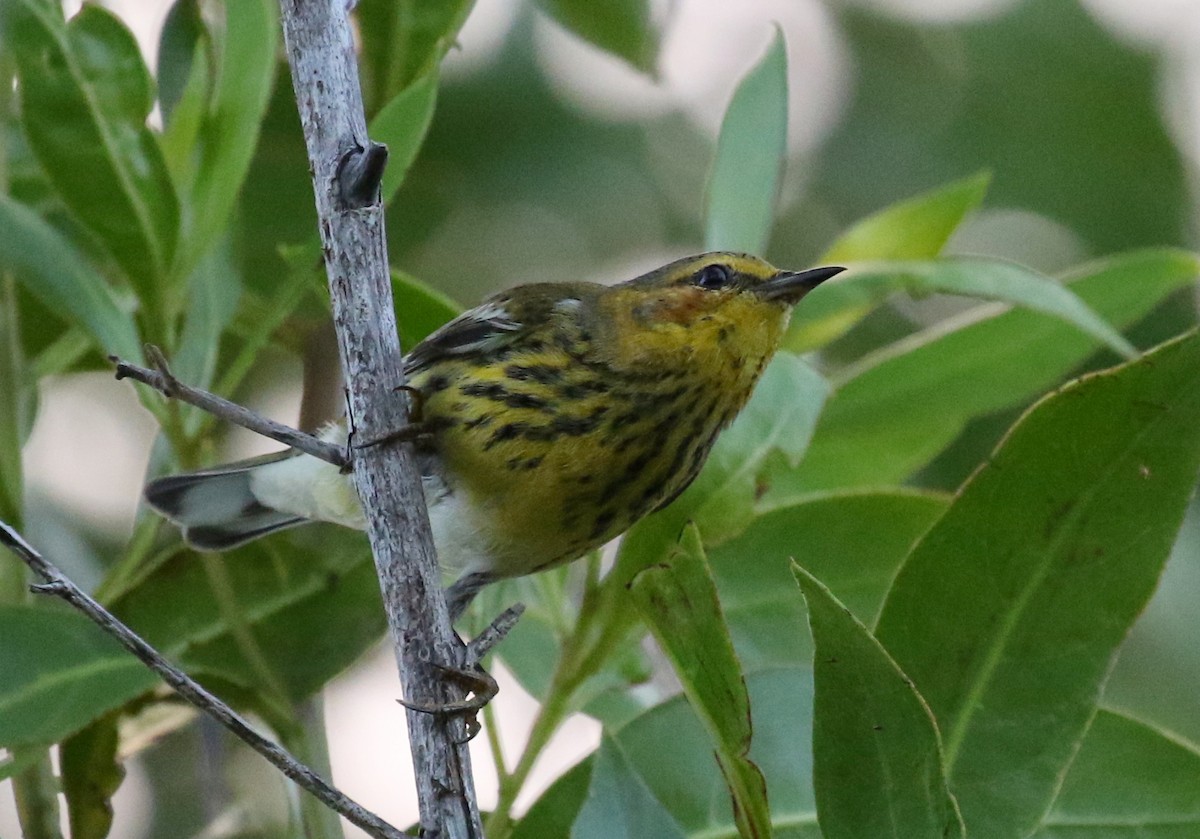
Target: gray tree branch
x=345, y=167
x=58, y=585
x=166, y=384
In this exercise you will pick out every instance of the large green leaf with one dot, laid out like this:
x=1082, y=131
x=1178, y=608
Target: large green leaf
x=877, y=758
x=1008, y=613
x=903, y=406
x=841, y=303
x=744, y=181
x=622, y=27
x=245, y=71
x=58, y=672
x=310, y=610
x=853, y=542
x=86, y=94
x=57, y=275
x=678, y=601
x=619, y=804
x=1129, y=781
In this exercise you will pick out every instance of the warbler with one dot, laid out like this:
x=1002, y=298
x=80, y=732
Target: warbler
x=554, y=416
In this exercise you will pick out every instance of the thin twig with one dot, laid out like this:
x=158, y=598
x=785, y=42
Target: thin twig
x=482, y=644
x=58, y=585
x=165, y=383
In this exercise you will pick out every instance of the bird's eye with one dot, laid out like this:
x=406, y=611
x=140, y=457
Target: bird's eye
x=713, y=277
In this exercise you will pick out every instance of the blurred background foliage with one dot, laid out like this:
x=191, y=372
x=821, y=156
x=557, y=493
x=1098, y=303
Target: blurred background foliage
x=565, y=141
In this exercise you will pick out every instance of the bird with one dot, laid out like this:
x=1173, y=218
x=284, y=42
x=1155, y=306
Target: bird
x=553, y=416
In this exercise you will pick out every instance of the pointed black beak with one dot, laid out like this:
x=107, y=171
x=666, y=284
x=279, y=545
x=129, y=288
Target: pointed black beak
x=790, y=286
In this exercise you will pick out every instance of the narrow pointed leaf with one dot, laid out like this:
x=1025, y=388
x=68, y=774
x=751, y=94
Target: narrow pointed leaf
x=403, y=40
x=1009, y=611
x=678, y=601
x=401, y=125
x=245, y=71
x=850, y=297
x=877, y=758
x=54, y=272
x=916, y=228
x=86, y=94
x=744, y=182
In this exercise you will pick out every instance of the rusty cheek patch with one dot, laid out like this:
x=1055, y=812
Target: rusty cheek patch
x=683, y=305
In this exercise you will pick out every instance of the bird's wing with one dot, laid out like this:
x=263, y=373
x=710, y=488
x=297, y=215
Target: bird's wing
x=485, y=328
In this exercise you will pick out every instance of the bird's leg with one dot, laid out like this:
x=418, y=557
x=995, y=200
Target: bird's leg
x=416, y=429
x=481, y=688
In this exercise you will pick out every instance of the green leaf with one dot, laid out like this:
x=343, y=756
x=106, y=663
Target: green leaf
x=419, y=309
x=245, y=72
x=621, y=27
x=182, y=40
x=986, y=279
x=744, y=182
x=934, y=102
x=58, y=672
x=678, y=601
x=403, y=40
x=877, y=759
x=553, y=813
x=311, y=609
x=916, y=228
x=780, y=417
x=1009, y=611
x=854, y=542
x=214, y=290
x=86, y=94
x=401, y=125
x=897, y=411
x=181, y=133
x=669, y=752
x=1129, y=781
x=619, y=805
x=16, y=409
x=58, y=276
x=91, y=774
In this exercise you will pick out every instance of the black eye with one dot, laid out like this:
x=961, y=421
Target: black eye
x=713, y=277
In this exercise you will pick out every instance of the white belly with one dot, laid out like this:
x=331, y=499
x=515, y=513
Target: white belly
x=314, y=489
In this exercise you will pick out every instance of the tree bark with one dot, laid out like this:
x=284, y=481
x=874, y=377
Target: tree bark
x=325, y=78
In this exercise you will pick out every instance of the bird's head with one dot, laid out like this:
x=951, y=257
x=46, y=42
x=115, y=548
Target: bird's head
x=715, y=308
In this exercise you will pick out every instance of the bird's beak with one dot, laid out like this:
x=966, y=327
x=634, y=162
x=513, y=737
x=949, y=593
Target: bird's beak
x=790, y=286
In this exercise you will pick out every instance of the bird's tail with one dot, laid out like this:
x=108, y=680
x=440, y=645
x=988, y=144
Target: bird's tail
x=216, y=508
